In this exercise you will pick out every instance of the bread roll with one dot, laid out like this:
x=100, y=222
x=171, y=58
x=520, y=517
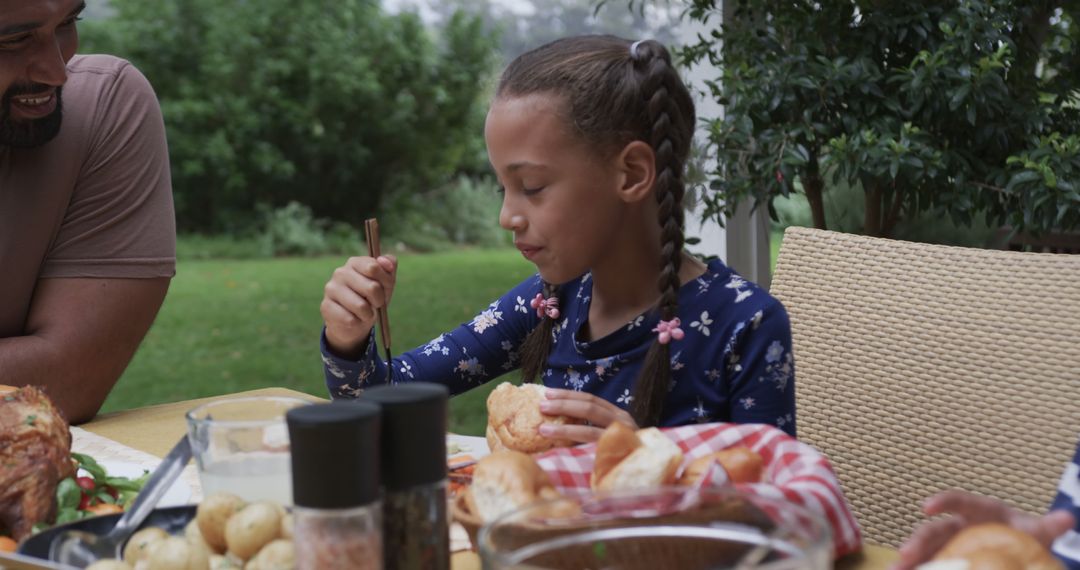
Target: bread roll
x=616, y=443
x=506, y=481
x=743, y=465
x=993, y=546
x=514, y=419
x=653, y=463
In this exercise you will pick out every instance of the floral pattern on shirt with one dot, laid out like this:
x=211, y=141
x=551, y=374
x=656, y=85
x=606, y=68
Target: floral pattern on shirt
x=780, y=367
x=605, y=367
x=470, y=368
x=755, y=321
x=701, y=415
x=332, y=368
x=731, y=357
x=487, y=319
x=512, y=355
x=556, y=330
x=436, y=346
x=739, y=285
x=703, y=284
x=702, y=323
x=576, y=380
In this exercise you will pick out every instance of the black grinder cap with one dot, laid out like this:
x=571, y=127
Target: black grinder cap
x=413, y=433
x=335, y=454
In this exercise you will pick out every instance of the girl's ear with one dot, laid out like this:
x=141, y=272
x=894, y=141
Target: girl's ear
x=636, y=165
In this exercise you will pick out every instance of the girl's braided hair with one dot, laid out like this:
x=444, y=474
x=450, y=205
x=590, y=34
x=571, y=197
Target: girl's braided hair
x=616, y=92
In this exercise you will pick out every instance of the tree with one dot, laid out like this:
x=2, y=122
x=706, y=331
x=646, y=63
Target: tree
x=963, y=107
x=332, y=103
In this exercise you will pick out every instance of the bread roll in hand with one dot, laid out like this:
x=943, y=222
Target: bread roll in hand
x=514, y=419
x=993, y=546
x=634, y=460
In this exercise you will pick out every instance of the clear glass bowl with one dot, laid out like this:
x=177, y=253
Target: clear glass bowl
x=671, y=527
x=241, y=446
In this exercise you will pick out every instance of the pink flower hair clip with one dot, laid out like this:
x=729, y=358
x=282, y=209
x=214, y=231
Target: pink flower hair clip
x=549, y=307
x=669, y=330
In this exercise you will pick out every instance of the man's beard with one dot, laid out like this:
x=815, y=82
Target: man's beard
x=28, y=133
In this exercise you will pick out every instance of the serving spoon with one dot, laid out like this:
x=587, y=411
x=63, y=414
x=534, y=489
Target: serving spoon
x=80, y=548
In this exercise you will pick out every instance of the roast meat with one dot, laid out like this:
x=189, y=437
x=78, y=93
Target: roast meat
x=35, y=454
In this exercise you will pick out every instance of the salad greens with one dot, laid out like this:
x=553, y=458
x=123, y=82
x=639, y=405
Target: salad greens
x=81, y=496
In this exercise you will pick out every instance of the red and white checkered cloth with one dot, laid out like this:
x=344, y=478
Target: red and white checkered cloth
x=793, y=470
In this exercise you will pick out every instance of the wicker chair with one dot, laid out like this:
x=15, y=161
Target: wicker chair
x=923, y=367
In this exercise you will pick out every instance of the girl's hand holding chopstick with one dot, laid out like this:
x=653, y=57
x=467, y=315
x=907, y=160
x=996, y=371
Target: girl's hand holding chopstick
x=350, y=300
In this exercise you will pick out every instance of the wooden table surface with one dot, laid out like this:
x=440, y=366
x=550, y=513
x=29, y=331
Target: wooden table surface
x=154, y=429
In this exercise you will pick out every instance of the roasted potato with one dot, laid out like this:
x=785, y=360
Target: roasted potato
x=176, y=553
x=212, y=515
x=108, y=564
x=219, y=562
x=253, y=527
x=278, y=555
x=195, y=538
x=138, y=546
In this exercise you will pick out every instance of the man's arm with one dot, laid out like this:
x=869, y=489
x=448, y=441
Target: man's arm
x=80, y=335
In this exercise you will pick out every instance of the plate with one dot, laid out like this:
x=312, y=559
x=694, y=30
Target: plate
x=459, y=445
x=170, y=519
x=177, y=494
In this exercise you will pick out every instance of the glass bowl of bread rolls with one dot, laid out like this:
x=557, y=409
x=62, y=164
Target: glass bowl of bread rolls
x=665, y=527
x=642, y=509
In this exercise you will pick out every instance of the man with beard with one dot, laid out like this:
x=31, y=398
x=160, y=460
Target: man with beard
x=87, y=231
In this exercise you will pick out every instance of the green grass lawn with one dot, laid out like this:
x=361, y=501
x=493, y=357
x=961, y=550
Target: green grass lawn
x=228, y=326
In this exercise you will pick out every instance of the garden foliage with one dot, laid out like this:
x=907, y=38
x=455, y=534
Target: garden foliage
x=959, y=108
x=334, y=104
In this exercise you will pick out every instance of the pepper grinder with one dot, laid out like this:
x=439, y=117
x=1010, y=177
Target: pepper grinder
x=416, y=532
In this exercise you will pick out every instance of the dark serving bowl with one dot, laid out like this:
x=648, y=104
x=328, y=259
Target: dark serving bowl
x=170, y=519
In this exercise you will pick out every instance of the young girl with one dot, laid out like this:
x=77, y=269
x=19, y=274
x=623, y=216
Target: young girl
x=589, y=138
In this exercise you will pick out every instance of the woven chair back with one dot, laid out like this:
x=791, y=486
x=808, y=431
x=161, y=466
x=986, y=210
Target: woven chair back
x=922, y=368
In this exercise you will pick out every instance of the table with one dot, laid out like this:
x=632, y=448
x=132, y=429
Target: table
x=154, y=429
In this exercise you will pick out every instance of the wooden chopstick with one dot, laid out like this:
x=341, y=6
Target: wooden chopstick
x=371, y=234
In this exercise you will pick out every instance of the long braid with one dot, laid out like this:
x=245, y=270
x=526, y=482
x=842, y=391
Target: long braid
x=652, y=60
x=534, y=350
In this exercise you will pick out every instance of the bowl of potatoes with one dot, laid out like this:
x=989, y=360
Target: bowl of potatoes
x=222, y=532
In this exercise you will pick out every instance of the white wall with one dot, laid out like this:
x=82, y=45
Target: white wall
x=744, y=243
x=713, y=237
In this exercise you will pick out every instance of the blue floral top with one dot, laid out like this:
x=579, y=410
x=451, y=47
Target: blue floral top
x=734, y=363
x=1067, y=548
